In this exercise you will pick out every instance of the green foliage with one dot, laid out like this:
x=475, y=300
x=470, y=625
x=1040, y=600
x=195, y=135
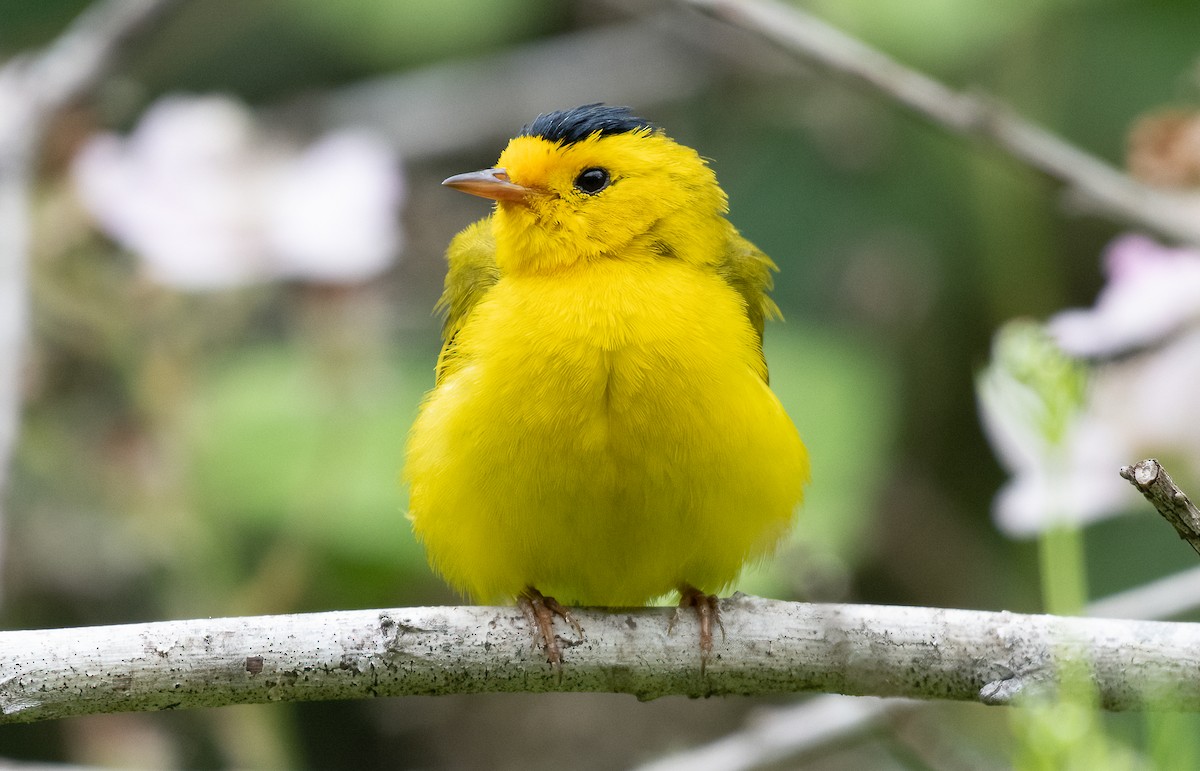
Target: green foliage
x=935, y=33
x=384, y=33
x=33, y=22
x=842, y=395
x=1034, y=381
x=283, y=441
x=1067, y=734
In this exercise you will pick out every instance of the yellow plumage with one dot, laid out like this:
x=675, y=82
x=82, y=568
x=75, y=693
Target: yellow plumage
x=602, y=428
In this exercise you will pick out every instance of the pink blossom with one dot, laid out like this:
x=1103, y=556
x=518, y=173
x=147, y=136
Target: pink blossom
x=1152, y=291
x=1141, y=400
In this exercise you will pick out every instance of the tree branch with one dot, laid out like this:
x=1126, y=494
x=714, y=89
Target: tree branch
x=777, y=734
x=448, y=105
x=1153, y=481
x=84, y=53
x=771, y=647
x=774, y=737
x=1095, y=183
x=32, y=90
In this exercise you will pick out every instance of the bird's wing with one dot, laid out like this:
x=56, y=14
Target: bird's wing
x=748, y=271
x=472, y=272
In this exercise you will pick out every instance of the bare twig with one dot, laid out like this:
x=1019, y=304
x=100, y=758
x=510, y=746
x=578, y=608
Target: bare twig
x=1167, y=597
x=32, y=90
x=1101, y=187
x=1152, y=480
x=783, y=733
x=772, y=647
x=83, y=54
x=446, y=106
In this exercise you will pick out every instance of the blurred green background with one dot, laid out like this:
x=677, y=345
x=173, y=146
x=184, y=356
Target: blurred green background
x=236, y=452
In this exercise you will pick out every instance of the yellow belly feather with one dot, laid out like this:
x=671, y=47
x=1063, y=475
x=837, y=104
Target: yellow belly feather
x=607, y=437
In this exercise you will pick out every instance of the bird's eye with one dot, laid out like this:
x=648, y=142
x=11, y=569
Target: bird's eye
x=592, y=181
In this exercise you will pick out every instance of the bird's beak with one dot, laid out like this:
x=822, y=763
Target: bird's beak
x=488, y=183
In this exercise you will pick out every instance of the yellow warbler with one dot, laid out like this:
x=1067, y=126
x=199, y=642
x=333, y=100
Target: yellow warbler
x=602, y=430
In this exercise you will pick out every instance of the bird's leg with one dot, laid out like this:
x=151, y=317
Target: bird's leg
x=708, y=611
x=540, y=611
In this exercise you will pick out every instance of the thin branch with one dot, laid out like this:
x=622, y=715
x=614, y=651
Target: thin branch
x=446, y=106
x=84, y=53
x=771, y=647
x=1152, y=481
x=1101, y=187
x=32, y=90
x=1167, y=597
x=784, y=733
x=781, y=733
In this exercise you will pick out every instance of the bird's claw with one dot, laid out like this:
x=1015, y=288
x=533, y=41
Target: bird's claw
x=708, y=611
x=540, y=611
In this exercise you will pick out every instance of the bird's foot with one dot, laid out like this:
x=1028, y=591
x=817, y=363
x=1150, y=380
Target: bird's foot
x=540, y=611
x=708, y=611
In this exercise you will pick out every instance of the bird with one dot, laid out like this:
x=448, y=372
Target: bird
x=602, y=431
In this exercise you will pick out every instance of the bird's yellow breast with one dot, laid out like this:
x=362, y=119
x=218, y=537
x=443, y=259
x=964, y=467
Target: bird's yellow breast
x=606, y=435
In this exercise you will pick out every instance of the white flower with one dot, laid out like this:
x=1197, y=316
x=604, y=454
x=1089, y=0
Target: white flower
x=331, y=212
x=207, y=200
x=1063, y=461
x=1149, y=311
x=1141, y=403
x=1076, y=485
x=1152, y=402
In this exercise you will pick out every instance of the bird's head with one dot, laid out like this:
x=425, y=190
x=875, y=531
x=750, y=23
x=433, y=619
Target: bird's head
x=595, y=183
